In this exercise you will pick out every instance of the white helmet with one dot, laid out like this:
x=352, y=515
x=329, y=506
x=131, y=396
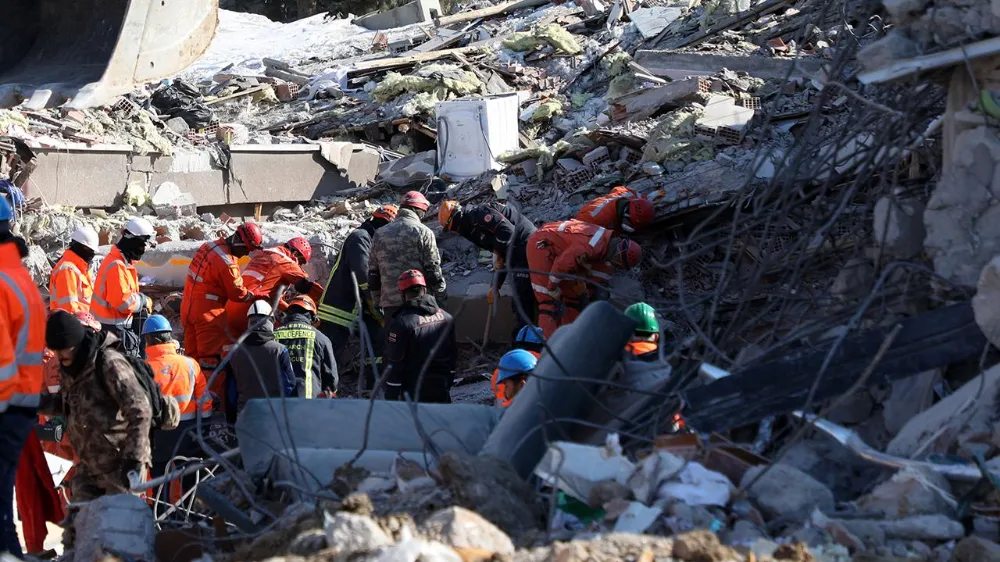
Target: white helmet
x=138, y=226
x=259, y=308
x=86, y=236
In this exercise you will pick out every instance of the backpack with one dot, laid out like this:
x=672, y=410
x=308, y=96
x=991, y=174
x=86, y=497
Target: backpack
x=143, y=374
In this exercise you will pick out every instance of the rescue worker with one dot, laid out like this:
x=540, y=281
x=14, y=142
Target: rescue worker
x=70, y=284
x=213, y=279
x=645, y=342
x=338, y=307
x=528, y=338
x=404, y=244
x=262, y=367
x=622, y=210
x=500, y=229
x=419, y=332
x=117, y=300
x=512, y=373
x=22, y=341
x=178, y=376
x=107, y=412
x=559, y=250
x=310, y=350
x=266, y=273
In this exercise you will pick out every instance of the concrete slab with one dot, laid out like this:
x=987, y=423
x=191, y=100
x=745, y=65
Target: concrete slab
x=418, y=11
x=675, y=65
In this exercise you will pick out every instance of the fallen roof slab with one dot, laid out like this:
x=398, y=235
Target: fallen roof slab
x=676, y=65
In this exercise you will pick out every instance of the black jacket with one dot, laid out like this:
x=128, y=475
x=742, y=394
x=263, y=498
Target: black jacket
x=416, y=329
x=262, y=368
x=497, y=228
x=338, y=305
x=311, y=352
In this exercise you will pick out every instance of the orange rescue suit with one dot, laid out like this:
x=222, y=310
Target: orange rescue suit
x=213, y=279
x=179, y=376
x=22, y=333
x=267, y=271
x=116, y=290
x=607, y=210
x=70, y=286
x=556, y=250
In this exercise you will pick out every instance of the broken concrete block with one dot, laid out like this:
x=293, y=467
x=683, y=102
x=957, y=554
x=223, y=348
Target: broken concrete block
x=908, y=492
x=922, y=527
x=784, y=491
x=853, y=409
x=182, y=206
x=986, y=303
x=178, y=125
x=592, y=7
x=887, y=50
x=122, y=524
x=724, y=119
x=474, y=480
x=907, y=398
x=408, y=169
x=165, y=193
x=349, y=533
x=459, y=527
x=976, y=549
x=702, y=545
x=899, y=226
x=651, y=21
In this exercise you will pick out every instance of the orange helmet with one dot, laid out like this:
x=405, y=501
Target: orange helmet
x=628, y=254
x=305, y=302
x=416, y=200
x=88, y=320
x=301, y=246
x=447, y=212
x=385, y=212
x=410, y=278
x=251, y=235
x=640, y=212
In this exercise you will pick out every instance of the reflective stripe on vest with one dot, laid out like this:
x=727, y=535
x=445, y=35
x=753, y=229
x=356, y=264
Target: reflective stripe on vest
x=596, y=237
x=597, y=210
x=79, y=288
x=334, y=315
x=256, y=275
x=22, y=358
x=295, y=332
x=123, y=307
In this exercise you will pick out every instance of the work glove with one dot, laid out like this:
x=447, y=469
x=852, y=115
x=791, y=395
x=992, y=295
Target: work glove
x=132, y=473
x=147, y=303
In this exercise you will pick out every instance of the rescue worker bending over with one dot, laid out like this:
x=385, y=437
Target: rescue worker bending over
x=338, y=308
x=310, y=350
x=500, y=229
x=267, y=272
x=623, y=211
x=70, y=284
x=645, y=342
x=512, y=373
x=117, y=300
x=404, y=244
x=262, y=367
x=529, y=338
x=181, y=377
x=558, y=250
x=107, y=412
x=22, y=341
x=213, y=279
x=419, y=330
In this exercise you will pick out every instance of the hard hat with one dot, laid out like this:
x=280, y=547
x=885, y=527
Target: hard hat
x=138, y=226
x=86, y=236
x=446, y=214
x=251, y=235
x=628, y=254
x=645, y=318
x=410, y=278
x=88, y=320
x=304, y=302
x=514, y=363
x=6, y=213
x=640, y=212
x=260, y=308
x=530, y=334
x=416, y=200
x=302, y=246
x=385, y=212
x=156, y=324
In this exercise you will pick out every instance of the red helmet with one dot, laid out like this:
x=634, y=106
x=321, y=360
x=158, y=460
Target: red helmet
x=251, y=235
x=305, y=302
x=640, y=212
x=301, y=246
x=628, y=254
x=416, y=200
x=410, y=278
x=386, y=212
x=88, y=320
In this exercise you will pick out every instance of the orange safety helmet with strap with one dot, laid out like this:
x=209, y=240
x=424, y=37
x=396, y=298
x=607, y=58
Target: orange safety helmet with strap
x=302, y=247
x=22, y=333
x=416, y=200
x=385, y=212
x=304, y=302
x=410, y=278
x=251, y=235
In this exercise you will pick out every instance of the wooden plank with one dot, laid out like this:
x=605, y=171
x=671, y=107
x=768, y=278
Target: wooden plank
x=397, y=62
x=246, y=92
x=488, y=12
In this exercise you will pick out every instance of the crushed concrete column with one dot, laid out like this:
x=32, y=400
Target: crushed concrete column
x=121, y=524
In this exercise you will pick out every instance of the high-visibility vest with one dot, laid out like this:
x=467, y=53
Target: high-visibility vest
x=300, y=340
x=116, y=290
x=22, y=333
x=179, y=376
x=70, y=285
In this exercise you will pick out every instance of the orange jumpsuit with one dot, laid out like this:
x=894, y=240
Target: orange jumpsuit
x=70, y=285
x=564, y=248
x=268, y=270
x=213, y=280
x=116, y=291
x=607, y=210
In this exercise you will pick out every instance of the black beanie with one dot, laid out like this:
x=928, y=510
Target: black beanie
x=63, y=331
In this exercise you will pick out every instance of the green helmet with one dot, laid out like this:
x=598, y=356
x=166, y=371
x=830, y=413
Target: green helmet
x=645, y=318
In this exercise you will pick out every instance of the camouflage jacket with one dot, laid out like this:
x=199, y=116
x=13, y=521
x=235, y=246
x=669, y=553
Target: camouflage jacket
x=107, y=422
x=405, y=243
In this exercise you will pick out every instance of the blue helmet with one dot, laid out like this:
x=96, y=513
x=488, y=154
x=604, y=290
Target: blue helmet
x=514, y=363
x=6, y=213
x=530, y=334
x=156, y=324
